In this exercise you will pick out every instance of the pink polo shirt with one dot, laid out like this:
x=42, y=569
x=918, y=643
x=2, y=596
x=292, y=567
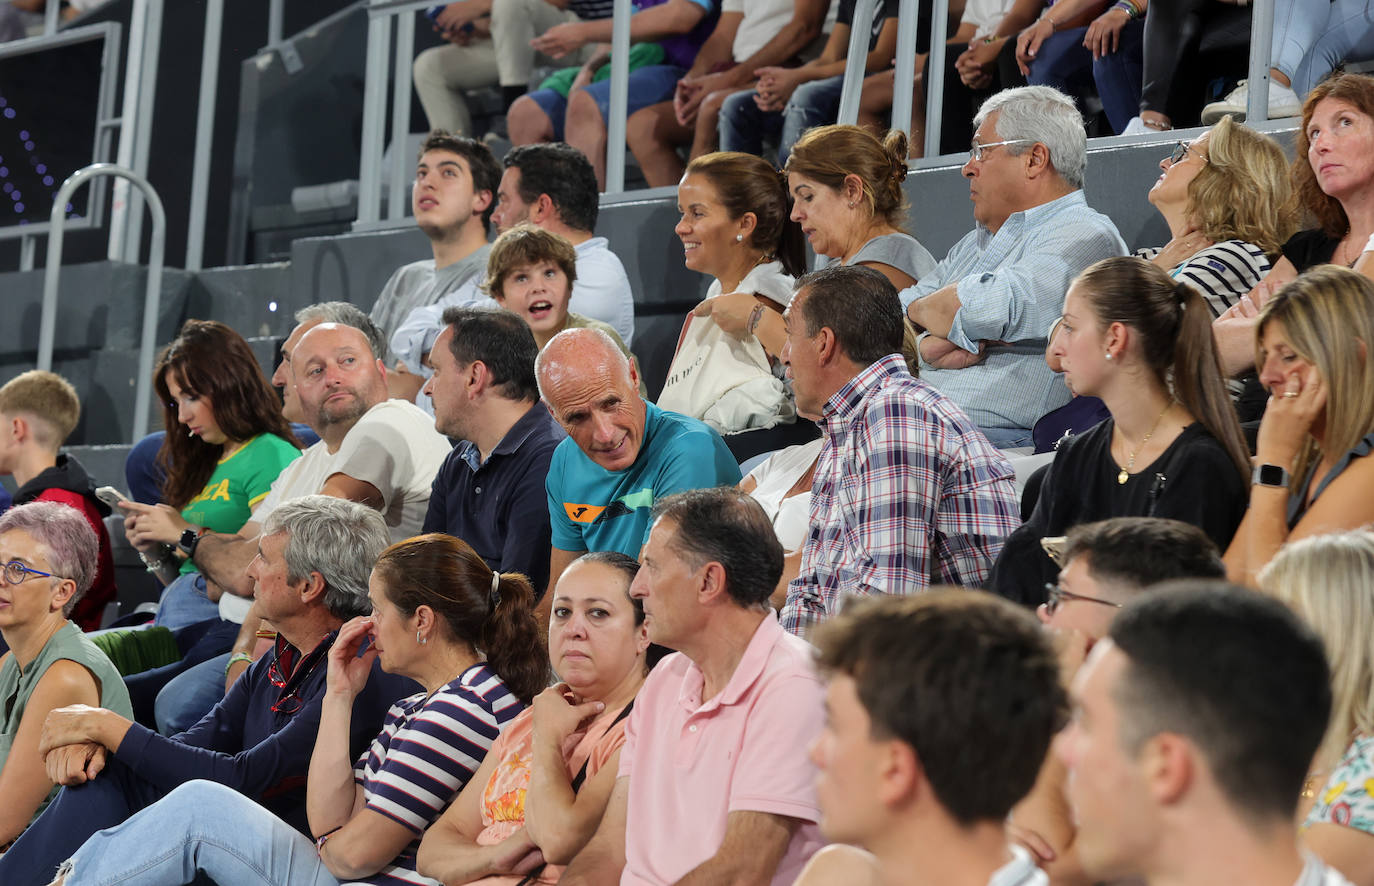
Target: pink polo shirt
x=691, y=763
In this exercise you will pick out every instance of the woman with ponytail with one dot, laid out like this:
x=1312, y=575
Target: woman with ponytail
x=847, y=195
x=1172, y=447
x=440, y=616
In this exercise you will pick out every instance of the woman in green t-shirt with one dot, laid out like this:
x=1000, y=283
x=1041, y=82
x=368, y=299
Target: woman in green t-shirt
x=226, y=443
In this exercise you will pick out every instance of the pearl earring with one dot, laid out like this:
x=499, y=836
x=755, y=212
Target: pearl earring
x=1108, y=355
x=739, y=238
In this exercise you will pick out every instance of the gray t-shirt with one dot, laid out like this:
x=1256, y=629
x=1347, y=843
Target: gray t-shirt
x=902, y=251
x=419, y=284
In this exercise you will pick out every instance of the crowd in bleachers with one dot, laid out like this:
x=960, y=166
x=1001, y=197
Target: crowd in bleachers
x=1034, y=563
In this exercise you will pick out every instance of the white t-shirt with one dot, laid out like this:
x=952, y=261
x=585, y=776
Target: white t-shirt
x=394, y=447
x=790, y=516
x=602, y=290
x=768, y=280
x=762, y=21
x=985, y=15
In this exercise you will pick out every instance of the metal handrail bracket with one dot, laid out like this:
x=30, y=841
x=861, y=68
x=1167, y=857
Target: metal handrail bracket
x=152, y=298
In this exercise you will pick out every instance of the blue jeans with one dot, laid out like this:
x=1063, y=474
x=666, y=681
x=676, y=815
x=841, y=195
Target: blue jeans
x=1009, y=438
x=185, y=602
x=1066, y=64
x=201, y=827
x=648, y=86
x=190, y=695
x=743, y=127
x=1311, y=37
x=75, y=814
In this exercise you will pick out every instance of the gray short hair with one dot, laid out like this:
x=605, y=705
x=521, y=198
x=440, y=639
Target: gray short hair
x=1041, y=114
x=346, y=314
x=72, y=545
x=339, y=539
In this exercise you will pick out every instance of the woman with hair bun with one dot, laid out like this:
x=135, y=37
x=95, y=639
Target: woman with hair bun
x=1171, y=447
x=440, y=616
x=847, y=196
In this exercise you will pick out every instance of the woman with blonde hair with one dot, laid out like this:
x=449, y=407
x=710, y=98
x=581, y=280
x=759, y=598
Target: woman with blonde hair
x=1328, y=580
x=1311, y=473
x=1227, y=199
x=847, y=196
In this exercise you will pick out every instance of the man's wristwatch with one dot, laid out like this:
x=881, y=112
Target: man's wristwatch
x=1269, y=475
x=188, y=541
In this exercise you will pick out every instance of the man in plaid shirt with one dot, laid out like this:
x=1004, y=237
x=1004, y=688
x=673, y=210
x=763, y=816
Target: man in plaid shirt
x=907, y=491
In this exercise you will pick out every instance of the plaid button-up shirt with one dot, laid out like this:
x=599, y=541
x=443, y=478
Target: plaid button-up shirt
x=907, y=492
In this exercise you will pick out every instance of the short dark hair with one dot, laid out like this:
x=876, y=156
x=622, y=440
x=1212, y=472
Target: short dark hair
x=1239, y=675
x=565, y=174
x=859, y=305
x=728, y=527
x=486, y=173
x=503, y=343
x=1141, y=551
x=968, y=680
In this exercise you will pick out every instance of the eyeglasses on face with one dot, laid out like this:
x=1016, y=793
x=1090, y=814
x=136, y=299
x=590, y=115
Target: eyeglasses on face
x=17, y=573
x=978, y=149
x=1181, y=150
x=1058, y=596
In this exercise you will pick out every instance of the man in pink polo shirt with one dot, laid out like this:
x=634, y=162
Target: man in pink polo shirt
x=715, y=784
x=941, y=707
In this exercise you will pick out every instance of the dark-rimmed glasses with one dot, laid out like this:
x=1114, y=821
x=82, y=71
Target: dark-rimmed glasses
x=1057, y=595
x=1181, y=150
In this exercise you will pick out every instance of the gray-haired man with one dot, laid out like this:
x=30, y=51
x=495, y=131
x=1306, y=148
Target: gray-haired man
x=310, y=575
x=986, y=309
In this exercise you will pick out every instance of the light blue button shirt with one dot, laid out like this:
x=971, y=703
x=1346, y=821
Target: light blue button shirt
x=1011, y=289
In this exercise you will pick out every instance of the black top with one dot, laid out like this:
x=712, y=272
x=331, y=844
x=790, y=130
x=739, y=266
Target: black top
x=1307, y=248
x=1194, y=480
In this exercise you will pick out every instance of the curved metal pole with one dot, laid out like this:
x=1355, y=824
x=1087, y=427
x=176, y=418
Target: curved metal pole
x=152, y=298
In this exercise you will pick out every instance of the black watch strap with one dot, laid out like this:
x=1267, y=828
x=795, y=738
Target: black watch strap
x=188, y=541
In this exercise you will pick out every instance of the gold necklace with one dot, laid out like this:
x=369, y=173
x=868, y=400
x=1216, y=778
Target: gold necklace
x=1125, y=474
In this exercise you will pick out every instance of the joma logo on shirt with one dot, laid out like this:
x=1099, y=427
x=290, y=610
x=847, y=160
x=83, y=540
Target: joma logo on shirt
x=626, y=504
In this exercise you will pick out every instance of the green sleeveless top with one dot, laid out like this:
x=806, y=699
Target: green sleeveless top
x=16, y=687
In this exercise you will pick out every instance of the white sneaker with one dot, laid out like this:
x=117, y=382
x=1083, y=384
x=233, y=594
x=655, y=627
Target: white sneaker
x=1283, y=102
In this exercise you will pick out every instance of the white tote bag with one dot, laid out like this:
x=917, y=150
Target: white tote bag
x=724, y=381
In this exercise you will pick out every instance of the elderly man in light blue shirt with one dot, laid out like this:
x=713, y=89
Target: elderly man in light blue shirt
x=986, y=309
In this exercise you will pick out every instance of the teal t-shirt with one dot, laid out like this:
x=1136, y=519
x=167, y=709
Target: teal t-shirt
x=593, y=509
x=237, y=485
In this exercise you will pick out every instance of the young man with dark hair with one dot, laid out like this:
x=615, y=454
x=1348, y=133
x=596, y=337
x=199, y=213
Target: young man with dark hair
x=38, y=411
x=552, y=186
x=1104, y=566
x=452, y=199
x=714, y=785
x=1196, y=723
x=940, y=708
x=906, y=491
x=490, y=490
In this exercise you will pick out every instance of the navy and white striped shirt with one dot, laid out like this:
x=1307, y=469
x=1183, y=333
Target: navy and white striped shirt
x=425, y=754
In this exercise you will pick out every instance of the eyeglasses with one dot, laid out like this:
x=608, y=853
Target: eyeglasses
x=17, y=573
x=977, y=149
x=1181, y=150
x=1058, y=595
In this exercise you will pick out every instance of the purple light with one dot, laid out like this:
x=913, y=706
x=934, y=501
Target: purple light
x=23, y=135
x=2, y=101
x=47, y=180
x=4, y=172
x=9, y=113
x=41, y=168
x=28, y=146
x=9, y=186
x=69, y=206
x=19, y=207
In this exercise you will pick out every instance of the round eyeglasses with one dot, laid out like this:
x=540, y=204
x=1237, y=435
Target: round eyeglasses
x=18, y=573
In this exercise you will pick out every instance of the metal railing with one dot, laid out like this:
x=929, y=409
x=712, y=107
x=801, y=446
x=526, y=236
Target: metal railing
x=152, y=297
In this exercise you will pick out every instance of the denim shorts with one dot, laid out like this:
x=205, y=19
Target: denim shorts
x=648, y=86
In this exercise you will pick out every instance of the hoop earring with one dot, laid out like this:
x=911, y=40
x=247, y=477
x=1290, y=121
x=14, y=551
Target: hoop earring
x=421, y=640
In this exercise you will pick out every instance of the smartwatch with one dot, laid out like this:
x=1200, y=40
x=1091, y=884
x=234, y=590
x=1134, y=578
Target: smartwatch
x=188, y=541
x=1269, y=475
